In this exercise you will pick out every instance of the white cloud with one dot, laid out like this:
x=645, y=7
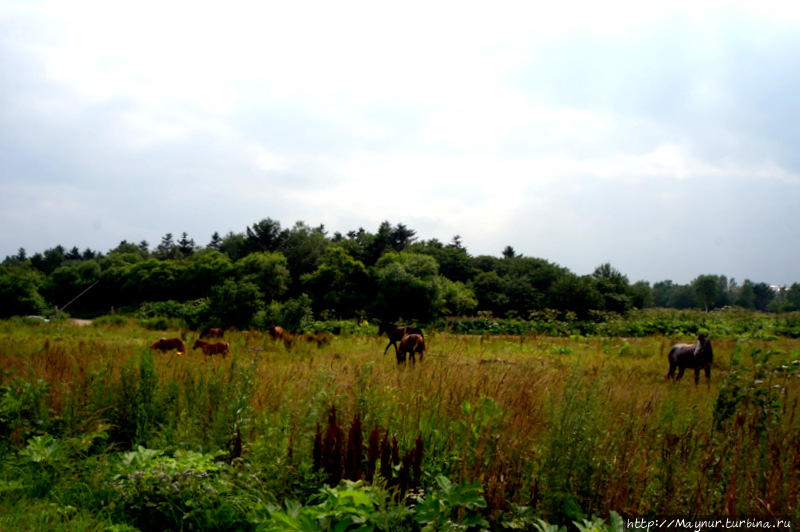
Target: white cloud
x=455, y=116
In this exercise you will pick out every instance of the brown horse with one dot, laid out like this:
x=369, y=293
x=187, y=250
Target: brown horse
x=209, y=349
x=321, y=338
x=411, y=344
x=212, y=332
x=276, y=332
x=396, y=333
x=168, y=344
x=697, y=356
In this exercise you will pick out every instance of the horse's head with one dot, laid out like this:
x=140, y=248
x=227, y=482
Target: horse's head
x=197, y=343
x=384, y=327
x=702, y=348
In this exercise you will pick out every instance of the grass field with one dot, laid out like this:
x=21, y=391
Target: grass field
x=97, y=432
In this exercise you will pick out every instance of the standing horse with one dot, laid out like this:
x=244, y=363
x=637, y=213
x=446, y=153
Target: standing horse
x=212, y=332
x=209, y=349
x=275, y=332
x=396, y=333
x=411, y=344
x=168, y=344
x=697, y=356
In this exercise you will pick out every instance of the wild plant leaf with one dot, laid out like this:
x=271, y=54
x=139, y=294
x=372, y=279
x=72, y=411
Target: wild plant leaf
x=43, y=448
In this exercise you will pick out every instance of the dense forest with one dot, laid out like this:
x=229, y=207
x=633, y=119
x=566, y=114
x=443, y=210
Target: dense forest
x=268, y=272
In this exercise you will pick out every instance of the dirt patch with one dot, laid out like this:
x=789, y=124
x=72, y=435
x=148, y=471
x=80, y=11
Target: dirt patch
x=79, y=322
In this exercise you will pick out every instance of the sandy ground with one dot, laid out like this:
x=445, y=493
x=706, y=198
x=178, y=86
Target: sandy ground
x=80, y=323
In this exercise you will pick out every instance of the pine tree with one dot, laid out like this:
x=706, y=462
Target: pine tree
x=186, y=245
x=167, y=248
x=216, y=241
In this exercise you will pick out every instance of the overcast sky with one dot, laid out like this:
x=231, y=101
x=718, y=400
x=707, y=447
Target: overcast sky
x=662, y=138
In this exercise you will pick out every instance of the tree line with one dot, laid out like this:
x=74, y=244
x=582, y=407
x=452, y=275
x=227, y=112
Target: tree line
x=269, y=271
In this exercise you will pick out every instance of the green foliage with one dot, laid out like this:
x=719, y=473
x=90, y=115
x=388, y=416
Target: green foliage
x=456, y=298
x=598, y=524
x=383, y=273
x=451, y=506
x=233, y=303
x=407, y=286
x=23, y=408
x=294, y=315
x=350, y=506
x=171, y=314
x=186, y=489
x=340, y=283
x=754, y=389
x=570, y=467
x=19, y=291
x=268, y=271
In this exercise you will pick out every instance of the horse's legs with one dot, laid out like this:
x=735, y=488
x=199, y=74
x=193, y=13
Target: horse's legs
x=708, y=372
x=680, y=373
x=671, y=372
x=391, y=342
x=696, y=375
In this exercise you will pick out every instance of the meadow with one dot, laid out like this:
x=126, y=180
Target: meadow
x=488, y=431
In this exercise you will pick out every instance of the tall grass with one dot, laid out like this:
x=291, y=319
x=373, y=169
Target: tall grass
x=565, y=427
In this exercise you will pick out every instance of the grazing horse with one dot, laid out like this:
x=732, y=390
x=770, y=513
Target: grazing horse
x=411, y=344
x=396, y=333
x=212, y=332
x=168, y=344
x=321, y=338
x=276, y=332
x=697, y=356
x=209, y=349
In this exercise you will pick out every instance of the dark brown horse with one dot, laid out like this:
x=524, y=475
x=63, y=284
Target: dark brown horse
x=221, y=348
x=168, y=344
x=396, y=333
x=212, y=332
x=411, y=344
x=697, y=356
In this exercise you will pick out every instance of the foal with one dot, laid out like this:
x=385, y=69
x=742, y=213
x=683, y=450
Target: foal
x=209, y=349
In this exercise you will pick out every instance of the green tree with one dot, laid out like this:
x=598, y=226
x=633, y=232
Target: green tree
x=340, y=283
x=705, y=290
x=204, y=269
x=69, y=280
x=303, y=248
x=48, y=261
x=153, y=280
x=641, y=294
x=491, y=292
x=575, y=294
x=457, y=299
x=234, y=245
x=19, y=291
x=186, y=245
x=745, y=295
x=267, y=270
x=662, y=292
x=764, y=294
x=127, y=248
x=407, y=286
x=453, y=259
x=793, y=297
x=167, y=249
x=682, y=296
x=265, y=235
x=216, y=241
x=509, y=253
x=614, y=287
x=233, y=303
